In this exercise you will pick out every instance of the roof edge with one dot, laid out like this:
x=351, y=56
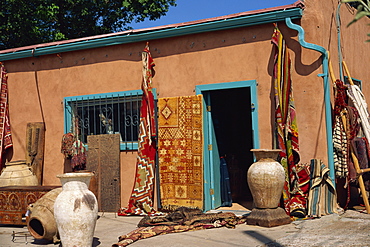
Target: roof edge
x=243, y=19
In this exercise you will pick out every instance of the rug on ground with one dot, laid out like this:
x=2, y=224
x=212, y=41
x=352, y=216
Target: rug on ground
x=181, y=220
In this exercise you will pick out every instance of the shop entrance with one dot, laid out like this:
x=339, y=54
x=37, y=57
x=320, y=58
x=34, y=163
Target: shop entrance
x=231, y=118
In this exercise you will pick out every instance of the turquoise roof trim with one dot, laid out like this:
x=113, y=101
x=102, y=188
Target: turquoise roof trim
x=151, y=34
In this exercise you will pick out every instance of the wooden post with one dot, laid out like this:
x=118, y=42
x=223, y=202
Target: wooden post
x=35, y=144
x=103, y=159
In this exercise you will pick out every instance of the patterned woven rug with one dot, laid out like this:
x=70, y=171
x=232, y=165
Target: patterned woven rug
x=142, y=195
x=5, y=133
x=180, y=151
x=165, y=225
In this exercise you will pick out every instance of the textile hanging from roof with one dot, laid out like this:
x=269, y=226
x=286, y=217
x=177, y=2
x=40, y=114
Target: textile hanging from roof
x=285, y=117
x=141, y=200
x=359, y=101
x=180, y=151
x=322, y=198
x=5, y=132
x=353, y=130
x=340, y=140
x=340, y=149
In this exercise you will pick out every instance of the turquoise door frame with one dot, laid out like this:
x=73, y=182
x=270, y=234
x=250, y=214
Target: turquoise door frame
x=212, y=190
x=211, y=161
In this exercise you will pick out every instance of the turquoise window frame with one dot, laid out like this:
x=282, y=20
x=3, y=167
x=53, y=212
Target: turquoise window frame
x=355, y=81
x=129, y=145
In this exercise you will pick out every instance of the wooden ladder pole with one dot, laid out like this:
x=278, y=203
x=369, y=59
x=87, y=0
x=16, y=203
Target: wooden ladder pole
x=365, y=170
x=354, y=158
x=331, y=73
x=361, y=182
x=347, y=72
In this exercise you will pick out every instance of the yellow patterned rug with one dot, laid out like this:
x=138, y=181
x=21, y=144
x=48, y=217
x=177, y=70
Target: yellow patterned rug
x=180, y=151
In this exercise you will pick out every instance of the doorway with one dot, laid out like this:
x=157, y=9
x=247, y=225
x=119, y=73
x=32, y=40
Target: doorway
x=231, y=112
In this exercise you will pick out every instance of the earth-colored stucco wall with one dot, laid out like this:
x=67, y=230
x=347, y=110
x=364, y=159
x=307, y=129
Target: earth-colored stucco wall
x=37, y=86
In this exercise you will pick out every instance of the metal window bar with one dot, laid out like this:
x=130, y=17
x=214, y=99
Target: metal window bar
x=119, y=116
x=124, y=119
x=113, y=118
x=121, y=111
x=100, y=127
x=80, y=126
x=131, y=122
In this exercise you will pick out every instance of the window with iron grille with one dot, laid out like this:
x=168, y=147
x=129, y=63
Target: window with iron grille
x=108, y=113
x=355, y=81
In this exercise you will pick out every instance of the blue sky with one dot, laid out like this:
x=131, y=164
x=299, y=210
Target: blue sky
x=191, y=10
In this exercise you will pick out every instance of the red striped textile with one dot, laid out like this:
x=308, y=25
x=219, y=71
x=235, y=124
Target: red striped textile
x=285, y=116
x=141, y=200
x=5, y=132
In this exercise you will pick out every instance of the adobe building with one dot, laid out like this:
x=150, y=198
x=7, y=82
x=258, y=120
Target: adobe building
x=228, y=59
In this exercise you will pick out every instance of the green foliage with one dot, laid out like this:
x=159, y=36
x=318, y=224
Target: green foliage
x=28, y=22
x=363, y=9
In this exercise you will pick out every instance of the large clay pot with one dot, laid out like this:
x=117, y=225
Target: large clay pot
x=266, y=178
x=17, y=173
x=76, y=210
x=41, y=223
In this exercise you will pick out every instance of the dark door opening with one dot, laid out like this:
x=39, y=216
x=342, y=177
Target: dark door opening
x=232, y=120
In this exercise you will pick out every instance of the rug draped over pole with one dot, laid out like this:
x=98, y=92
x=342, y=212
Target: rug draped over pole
x=5, y=133
x=340, y=139
x=141, y=200
x=286, y=125
x=322, y=199
x=359, y=101
x=180, y=151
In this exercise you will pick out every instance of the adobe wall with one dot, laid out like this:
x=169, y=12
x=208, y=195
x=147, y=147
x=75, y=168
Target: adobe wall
x=38, y=85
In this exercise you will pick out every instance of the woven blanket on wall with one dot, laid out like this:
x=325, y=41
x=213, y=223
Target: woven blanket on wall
x=5, y=133
x=180, y=151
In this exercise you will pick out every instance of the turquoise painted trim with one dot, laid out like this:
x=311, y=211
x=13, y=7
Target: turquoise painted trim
x=325, y=75
x=209, y=174
x=68, y=109
x=206, y=160
x=252, y=84
x=131, y=37
x=106, y=95
x=210, y=202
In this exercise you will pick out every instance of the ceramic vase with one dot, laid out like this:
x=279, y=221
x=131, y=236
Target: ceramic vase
x=266, y=178
x=41, y=222
x=17, y=173
x=76, y=210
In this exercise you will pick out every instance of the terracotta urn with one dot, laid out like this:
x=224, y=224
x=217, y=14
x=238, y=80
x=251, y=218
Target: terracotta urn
x=266, y=179
x=40, y=221
x=76, y=210
x=18, y=173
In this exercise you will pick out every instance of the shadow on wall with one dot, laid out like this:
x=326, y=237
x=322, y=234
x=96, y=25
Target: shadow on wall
x=297, y=66
x=294, y=47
